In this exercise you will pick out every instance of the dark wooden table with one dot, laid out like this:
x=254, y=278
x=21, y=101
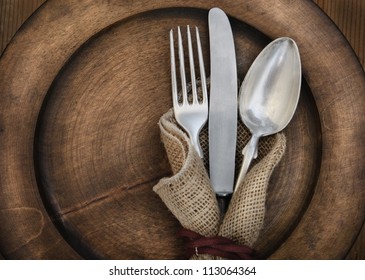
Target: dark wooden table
x=349, y=16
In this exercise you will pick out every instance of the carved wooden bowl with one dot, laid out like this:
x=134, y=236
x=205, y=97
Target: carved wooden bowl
x=83, y=85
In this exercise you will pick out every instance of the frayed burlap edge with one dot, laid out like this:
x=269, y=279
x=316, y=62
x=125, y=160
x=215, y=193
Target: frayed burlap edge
x=190, y=198
x=187, y=194
x=246, y=212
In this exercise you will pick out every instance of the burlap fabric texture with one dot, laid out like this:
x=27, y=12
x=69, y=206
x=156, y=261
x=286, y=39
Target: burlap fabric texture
x=190, y=197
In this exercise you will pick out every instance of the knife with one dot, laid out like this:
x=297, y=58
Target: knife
x=223, y=106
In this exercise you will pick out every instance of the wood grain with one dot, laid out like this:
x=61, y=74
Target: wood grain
x=349, y=16
x=74, y=210
x=12, y=15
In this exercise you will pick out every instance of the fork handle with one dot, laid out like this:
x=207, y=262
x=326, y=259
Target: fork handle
x=196, y=144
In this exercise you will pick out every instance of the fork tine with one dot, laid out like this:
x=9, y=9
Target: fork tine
x=173, y=71
x=192, y=68
x=182, y=68
x=201, y=67
x=190, y=116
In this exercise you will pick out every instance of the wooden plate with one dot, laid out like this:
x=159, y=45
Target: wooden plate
x=83, y=84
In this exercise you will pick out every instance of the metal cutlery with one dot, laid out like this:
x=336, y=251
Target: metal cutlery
x=190, y=113
x=222, y=106
x=268, y=98
x=269, y=94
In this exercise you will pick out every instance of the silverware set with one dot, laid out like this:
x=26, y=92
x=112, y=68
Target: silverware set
x=190, y=115
x=267, y=99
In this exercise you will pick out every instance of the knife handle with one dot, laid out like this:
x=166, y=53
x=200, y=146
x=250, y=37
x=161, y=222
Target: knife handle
x=223, y=202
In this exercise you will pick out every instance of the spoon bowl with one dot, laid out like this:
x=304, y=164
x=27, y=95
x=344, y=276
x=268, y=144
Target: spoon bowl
x=269, y=94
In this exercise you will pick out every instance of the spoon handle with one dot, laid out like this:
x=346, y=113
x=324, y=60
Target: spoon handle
x=249, y=152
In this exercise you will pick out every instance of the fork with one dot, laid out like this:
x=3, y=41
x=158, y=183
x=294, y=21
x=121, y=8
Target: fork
x=192, y=113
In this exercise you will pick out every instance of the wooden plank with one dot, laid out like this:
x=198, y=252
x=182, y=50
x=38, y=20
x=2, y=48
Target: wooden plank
x=349, y=16
x=13, y=13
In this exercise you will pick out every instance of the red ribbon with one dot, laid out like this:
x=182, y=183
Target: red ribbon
x=197, y=244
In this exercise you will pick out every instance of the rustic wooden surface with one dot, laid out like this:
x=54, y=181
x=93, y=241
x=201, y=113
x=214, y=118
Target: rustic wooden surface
x=74, y=84
x=349, y=16
x=12, y=15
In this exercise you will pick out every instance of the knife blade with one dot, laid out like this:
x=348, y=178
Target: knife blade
x=223, y=104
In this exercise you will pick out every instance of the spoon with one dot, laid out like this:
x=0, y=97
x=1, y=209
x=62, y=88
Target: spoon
x=269, y=95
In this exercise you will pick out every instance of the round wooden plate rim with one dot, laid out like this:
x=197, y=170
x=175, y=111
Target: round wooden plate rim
x=334, y=81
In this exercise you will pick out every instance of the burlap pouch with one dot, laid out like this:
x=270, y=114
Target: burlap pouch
x=189, y=196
